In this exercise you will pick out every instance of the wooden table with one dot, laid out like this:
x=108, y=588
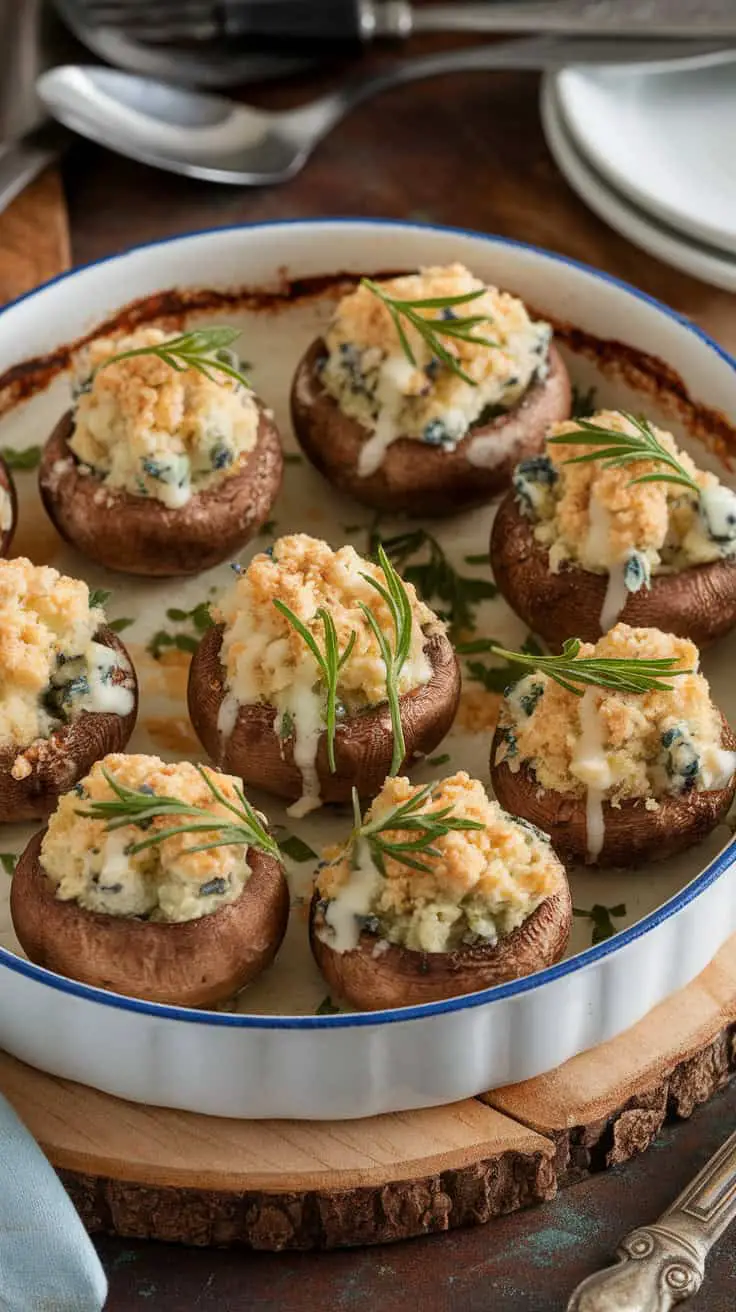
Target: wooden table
x=464, y=150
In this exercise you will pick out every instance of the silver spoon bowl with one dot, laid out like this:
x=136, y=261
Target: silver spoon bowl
x=208, y=136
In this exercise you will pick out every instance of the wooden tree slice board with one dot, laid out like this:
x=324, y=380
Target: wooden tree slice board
x=153, y=1173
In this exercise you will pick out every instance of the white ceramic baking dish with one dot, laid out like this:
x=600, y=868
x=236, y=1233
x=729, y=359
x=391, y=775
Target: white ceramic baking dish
x=295, y=1063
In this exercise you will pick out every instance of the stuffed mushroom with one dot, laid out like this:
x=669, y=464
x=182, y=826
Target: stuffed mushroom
x=323, y=673
x=8, y=508
x=122, y=893
x=438, y=892
x=68, y=691
x=160, y=468
x=426, y=390
x=617, y=777
x=582, y=541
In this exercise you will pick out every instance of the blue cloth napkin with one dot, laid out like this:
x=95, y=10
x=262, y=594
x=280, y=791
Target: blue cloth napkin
x=47, y=1262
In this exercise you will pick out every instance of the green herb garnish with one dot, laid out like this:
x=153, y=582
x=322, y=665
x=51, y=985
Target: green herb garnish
x=431, y=330
x=435, y=577
x=326, y=1007
x=621, y=674
x=582, y=404
x=8, y=860
x=133, y=806
x=294, y=847
x=495, y=678
x=614, y=449
x=603, y=926
x=118, y=626
x=330, y=662
x=428, y=826
x=30, y=458
x=204, y=349
x=198, y=617
x=394, y=657
x=439, y=760
x=293, y=458
x=99, y=597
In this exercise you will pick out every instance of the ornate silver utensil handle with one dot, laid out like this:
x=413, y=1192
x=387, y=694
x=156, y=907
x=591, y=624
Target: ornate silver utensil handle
x=663, y=1264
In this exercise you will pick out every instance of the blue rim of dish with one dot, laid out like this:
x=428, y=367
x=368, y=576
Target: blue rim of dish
x=718, y=867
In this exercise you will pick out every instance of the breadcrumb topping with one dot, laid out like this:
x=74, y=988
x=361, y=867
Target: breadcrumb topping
x=168, y=882
x=648, y=744
x=265, y=658
x=154, y=431
x=368, y=374
x=50, y=666
x=594, y=516
x=481, y=884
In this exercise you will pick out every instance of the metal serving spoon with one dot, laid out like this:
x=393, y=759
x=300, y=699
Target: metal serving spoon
x=208, y=136
x=663, y=1264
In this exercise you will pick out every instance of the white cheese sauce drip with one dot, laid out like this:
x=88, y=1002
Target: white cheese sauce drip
x=717, y=766
x=490, y=449
x=304, y=704
x=395, y=375
x=344, y=913
x=589, y=764
x=227, y=718
x=597, y=554
x=105, y=696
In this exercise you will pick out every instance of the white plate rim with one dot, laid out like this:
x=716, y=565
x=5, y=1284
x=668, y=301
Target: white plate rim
x=710, y=265
x=712, y=873
x=644, y=199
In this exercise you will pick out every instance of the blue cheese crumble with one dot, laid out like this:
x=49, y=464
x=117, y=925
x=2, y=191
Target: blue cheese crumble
x=153, y=431
x=368, y=374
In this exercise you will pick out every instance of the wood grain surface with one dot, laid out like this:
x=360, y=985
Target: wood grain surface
x=34, y=237
x=467, y=151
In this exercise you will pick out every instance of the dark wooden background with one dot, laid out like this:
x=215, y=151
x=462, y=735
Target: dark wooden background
x=464, y=150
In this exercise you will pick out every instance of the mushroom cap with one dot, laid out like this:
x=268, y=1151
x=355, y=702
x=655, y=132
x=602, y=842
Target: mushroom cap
x=67, y=755
x=6, y=481
x=415, y=478
x=697, y=603
x=632, y=833
x=363, y=743
x=140, y=535
x=395, y=976
x=193, y=963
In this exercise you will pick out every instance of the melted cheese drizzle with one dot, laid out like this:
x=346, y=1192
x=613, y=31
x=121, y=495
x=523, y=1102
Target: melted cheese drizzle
x=395, y=374
x=304, y=704
x=104, y=696
x=344, y=912
x=490, y=449
x=590, y=765
x=597, y=552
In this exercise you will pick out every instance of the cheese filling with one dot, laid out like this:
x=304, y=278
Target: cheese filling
x=593, y=517
x=6, y=510
x=369, y=375
x=616, y=746
x=51, y=667
x=480, y=885
x=150, y=430
x=169, y=882
x=267, y=660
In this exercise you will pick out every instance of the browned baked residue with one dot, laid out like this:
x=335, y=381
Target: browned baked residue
x=478, y=710
x=164, y=676
x=172, y=733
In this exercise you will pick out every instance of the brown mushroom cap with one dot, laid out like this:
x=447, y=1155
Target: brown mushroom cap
x=363, y=743
x=68, y=754
x=415, y=478
x=140, y=535
x=194, y=963
x=632, y=833
x=6, y=481
x=400, y=977
x=697, y=603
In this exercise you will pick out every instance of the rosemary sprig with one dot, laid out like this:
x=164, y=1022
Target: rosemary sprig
x=396, y=598
x=408, y=817
x=204, y=349
x=330, y=663
x=431, y=330
x=615, y=449
x=621, y=674
x=134, y=806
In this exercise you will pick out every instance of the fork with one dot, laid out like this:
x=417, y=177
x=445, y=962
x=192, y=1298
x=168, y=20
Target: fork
x=208, y=136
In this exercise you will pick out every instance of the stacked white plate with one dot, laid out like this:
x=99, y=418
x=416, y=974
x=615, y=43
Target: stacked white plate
x=652, y=150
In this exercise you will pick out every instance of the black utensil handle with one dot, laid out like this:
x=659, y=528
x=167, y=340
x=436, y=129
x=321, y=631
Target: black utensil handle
x=317, y=20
